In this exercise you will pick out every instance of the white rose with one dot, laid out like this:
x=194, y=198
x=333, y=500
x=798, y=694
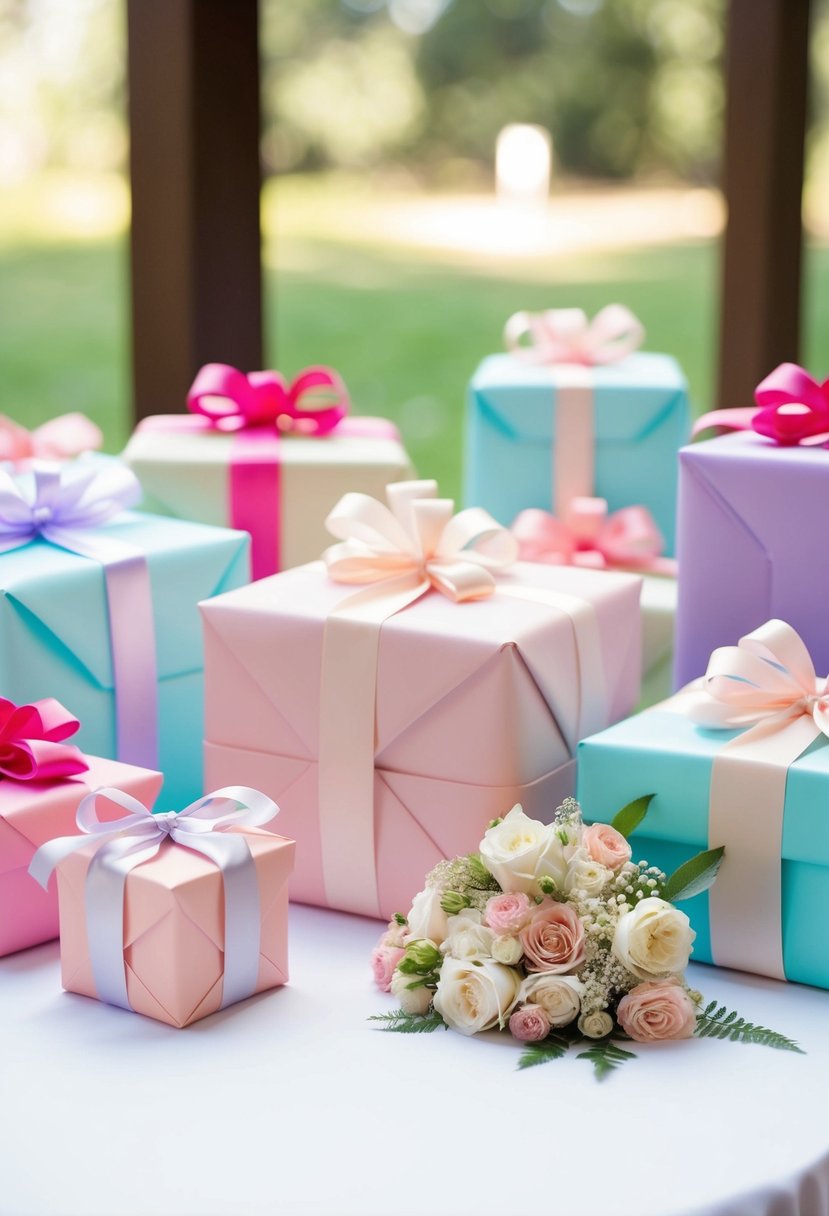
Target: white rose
x=412, y=1000
x=595, y=1025
x=558, y=995
x=427, y=918
x=475, y=996
x=466, y=937
x=654, y=938
x=507, y=950
x=519, y=851
x=584, y=874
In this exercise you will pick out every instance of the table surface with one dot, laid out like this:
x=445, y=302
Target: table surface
x=293, y=1103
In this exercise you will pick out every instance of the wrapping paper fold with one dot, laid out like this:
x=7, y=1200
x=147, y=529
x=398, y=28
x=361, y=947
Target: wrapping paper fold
x=475, y=704
x=183, y=465
x=174, y=928
x=663, y=752
x=751, y=545
x=32, y=813
x=636, y=411
x=54, y=636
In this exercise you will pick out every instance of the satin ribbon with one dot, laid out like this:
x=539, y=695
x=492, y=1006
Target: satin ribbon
x=258, y=409
x=126, y=843
x=59, y=439
x=792, y=408
x=566, y=339
x=397, y=554
x=766, y=687
x=68, y=506
x=588, y=536
x=32, y=746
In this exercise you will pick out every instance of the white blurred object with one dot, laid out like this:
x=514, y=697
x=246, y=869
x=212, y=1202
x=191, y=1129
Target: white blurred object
x=523, y=163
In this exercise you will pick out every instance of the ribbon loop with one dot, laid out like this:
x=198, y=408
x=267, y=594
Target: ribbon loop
x=61, y=438
x=565, y=335
x=590, y=536
x=32, y=744
x=314, y=403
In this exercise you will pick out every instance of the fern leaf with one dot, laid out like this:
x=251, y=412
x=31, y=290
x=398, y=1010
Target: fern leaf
x=409, y=1023
x=551, y=1048
x=606, y=1056
x=717, y=1024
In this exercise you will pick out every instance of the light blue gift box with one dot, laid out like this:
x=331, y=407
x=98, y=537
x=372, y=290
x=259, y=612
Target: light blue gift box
x=54, y=634
x=666, y=754
x=641, y=419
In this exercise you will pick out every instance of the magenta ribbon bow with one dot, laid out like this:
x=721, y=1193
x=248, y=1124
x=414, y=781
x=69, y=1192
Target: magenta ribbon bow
x=67, y=505
x=588, y=536
x=32, y=744
x=60, y=439
x=792, y=408
x=314, y=403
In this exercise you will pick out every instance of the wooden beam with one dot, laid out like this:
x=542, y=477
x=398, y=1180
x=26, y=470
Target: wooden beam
x=195, y=174
x=766, y=79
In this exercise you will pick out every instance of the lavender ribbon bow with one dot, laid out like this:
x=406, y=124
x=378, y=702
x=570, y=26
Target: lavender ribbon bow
x=67, y=505
x=124, y=844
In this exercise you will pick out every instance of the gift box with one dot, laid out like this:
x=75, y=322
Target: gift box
x=277, y=484
x=750, y=544
x=198, y=921
x=99, y=610
x=390, y=721
x=758, y=789
x=566, y=429
x=44, y=780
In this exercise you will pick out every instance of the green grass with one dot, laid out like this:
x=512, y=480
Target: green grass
x=405, y=329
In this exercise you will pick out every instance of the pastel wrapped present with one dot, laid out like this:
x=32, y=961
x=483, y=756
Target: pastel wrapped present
x=412, y=687
x=740, y=760
x=265, y=456
x=43, y=781
x=591, y=536
x=576, y=417
x=172, y=915
x=98, y=608
x=750, y=544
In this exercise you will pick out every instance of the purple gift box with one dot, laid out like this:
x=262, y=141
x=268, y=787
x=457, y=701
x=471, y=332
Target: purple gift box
x=752, y=545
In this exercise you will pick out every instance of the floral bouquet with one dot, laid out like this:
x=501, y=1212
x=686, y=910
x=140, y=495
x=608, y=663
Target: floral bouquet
x=553, y=932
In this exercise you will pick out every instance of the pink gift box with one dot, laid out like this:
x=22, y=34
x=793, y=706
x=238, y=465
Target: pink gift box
x=477, y=708
x=174, y=927
x=32, y=812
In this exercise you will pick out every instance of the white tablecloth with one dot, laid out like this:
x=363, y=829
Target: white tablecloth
x=294, y=1103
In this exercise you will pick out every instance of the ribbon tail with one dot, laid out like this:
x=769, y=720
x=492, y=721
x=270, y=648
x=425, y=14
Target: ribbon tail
x=729, y=420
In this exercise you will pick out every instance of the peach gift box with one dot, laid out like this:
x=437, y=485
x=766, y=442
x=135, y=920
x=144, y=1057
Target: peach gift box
x=174, y=927
x=32, y=812
x=478, y=705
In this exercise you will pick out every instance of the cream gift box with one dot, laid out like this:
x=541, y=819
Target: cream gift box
x=390, y=725
x=242, y=470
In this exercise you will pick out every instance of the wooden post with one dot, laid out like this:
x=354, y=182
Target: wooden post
x=766, y=76
x=194, y=164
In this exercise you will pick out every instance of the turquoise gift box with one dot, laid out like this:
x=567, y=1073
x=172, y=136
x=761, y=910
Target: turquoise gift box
x=55, y=639
x=641, y=417
x=664, y=753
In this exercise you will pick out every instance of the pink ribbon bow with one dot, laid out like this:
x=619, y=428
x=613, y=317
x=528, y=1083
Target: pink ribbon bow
x=31, y=741
x=767, y=679
x=312, y=404
x=589, y=536
x=61, y=439
x=565, y=335
x=793, y=409
x=418, y=542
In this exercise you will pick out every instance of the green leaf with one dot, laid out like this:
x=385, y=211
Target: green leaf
x=606, y=1056
x=628, y=819
x=714, y=1023
x=694, y=876
x=551, y=1048
x=409, y=1023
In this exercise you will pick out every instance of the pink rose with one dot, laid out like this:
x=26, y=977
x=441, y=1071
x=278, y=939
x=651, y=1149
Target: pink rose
x=529, y=1024
x=554, y=938
x=384, y=959
x=657, y=1009
x=508, y=913
x=606, y=846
